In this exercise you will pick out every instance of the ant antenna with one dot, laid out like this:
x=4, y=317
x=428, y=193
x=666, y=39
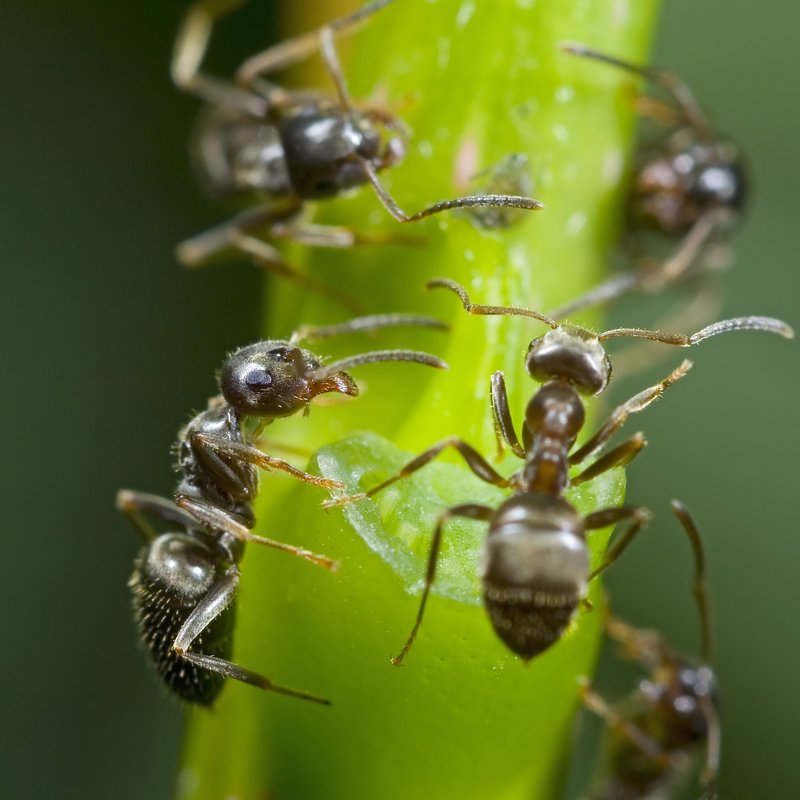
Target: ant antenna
x=474, y=308
x=366, y=325
x=668, y=81
x=769, y=324
x=377, y=356
x=700, y=586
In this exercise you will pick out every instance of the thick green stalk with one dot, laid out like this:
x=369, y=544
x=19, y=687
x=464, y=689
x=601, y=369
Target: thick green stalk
x=464, y=719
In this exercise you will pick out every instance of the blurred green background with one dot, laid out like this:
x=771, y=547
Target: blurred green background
x=107, y=345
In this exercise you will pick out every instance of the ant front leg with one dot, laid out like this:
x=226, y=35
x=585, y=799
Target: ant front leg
x=474, y=460
x=289, y=52
x=503, y=422
x=189, y=51
x=468, y=511
x=620, y=414
x=214, y=603
x=650, y=279
x=252, y=455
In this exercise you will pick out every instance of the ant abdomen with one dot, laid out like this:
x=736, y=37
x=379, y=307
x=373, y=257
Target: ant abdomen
x=534, y=571
x=171, y=576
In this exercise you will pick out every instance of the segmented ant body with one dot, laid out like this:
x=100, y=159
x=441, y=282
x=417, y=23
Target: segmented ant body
x=290, y=147
x=535, y=562
x=690, y=187
x=670, y=716
x=185, y=582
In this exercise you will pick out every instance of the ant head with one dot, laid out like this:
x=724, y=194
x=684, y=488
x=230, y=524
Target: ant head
x=322, y=141
x=674, y=187
x=276, y=379
x=570, y=354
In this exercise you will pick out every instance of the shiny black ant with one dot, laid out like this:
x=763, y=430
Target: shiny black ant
x=290, y=146
x=671, y=715
x=185, y=582
x=535, y=562
x=691, y=187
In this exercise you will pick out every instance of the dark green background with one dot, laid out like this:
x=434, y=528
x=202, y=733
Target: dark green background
x=107, y=345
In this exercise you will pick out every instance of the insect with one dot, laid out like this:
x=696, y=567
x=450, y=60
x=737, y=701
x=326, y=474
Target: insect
x=185, y=581
x=535, y=561
x=690, y=187
x=510, y=174
x=671, y=715
x=290, y=147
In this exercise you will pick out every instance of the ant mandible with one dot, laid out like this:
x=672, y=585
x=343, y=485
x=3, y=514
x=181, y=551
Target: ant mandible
x=290, y=146
x=535, y=561
x=185, y=583
x=653, y=735
x=690, y=187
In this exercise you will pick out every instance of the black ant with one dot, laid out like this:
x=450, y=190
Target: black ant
x=672, y=714
x=535, y=562
x=185, y=582
x=290, y=146
x=690, y=187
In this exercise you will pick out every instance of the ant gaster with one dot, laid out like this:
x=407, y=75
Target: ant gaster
x=535, y=562
x=185, y=581
x=671, y=715
x=690, y=187
x=290, y=146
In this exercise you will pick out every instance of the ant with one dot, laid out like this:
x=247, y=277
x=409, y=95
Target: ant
x=185, y=582
x=653, y=735
x=290, y=146
x=690, y=187
x=535, y=561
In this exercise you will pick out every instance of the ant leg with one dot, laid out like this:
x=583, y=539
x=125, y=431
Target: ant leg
x=649, y=279
x=337, y=236
x=668, y=81
x=700, y=584
x=503, y=421
x=291, y=51
x=474, y=460
x=218, y=519
x=597, y=705
x=620, y=414
x=618, y=457
x=218, y=598
x=195, y=252
x=469, y=511
x=134, y=504
x=251, y=455
x=639, y=516
x=188, y=53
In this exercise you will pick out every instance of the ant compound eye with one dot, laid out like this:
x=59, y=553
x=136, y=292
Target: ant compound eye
x=258, y=378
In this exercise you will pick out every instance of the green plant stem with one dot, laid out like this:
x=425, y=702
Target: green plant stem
x=464, y=719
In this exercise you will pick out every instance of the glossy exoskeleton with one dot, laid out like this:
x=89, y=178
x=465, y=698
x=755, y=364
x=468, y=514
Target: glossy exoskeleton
x=690, y=187
x=185, y=581
x=670, y=717
x=535, y=562
x=289, y=146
